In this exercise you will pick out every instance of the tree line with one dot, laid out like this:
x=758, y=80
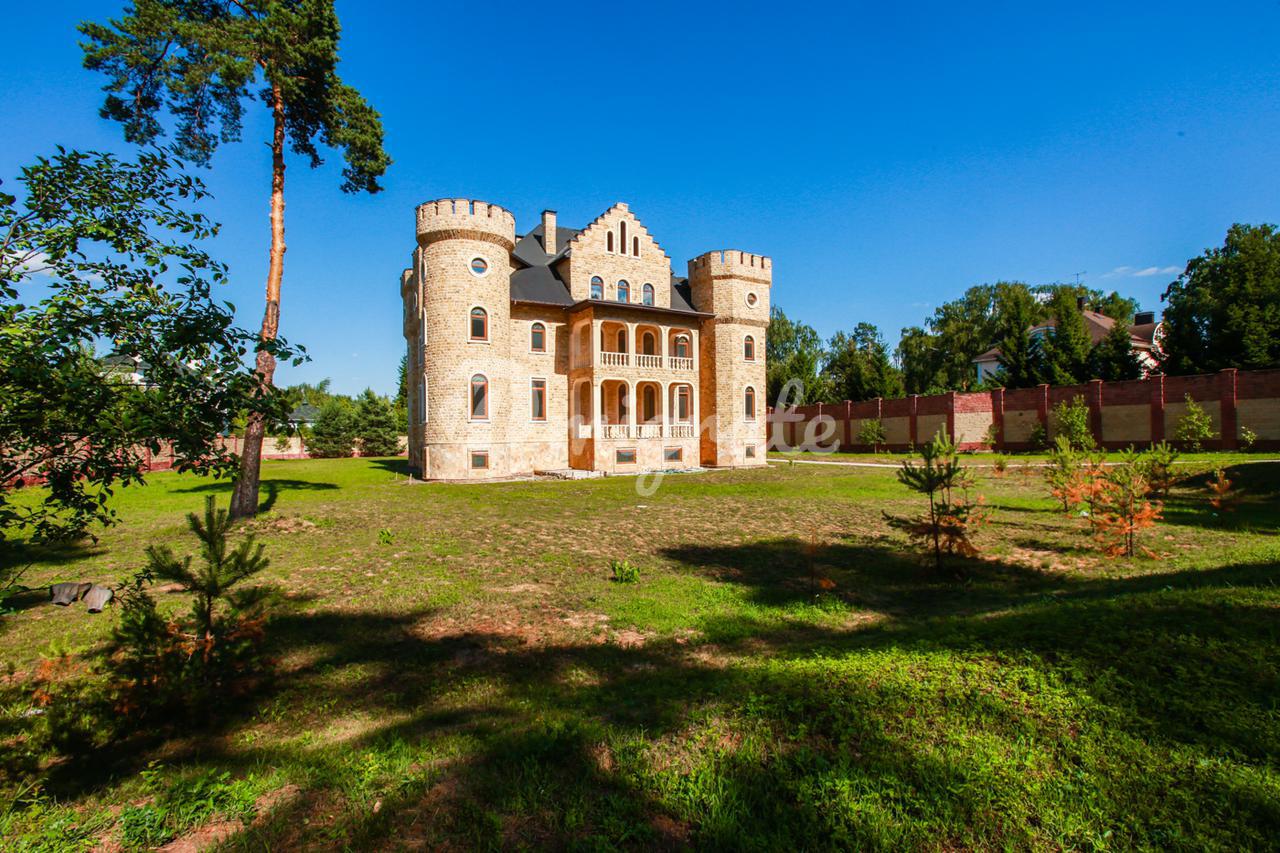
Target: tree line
x=1222, y=311
x=342, y=423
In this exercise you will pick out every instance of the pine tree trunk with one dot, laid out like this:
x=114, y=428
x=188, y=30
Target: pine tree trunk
x=244, y=502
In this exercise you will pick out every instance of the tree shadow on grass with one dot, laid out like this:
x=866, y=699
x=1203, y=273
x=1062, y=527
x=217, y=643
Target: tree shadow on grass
x=1256, y=486
x=779, y=735
x=394, y=464
x=568, y=738
x=273, y=487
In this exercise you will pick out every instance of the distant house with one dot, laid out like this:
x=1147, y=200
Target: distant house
x=304, y=415
x=1144, y=333
x=125, y=368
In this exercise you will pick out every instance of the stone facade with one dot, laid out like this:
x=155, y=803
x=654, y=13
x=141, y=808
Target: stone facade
x=565, y=348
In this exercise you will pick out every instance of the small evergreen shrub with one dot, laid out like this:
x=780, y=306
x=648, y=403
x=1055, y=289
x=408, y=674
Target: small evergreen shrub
x=1157, y=465
x=1194, y=427
x=375, y=426
x=1039, y=438
x=1248, y=438
x=945, y=529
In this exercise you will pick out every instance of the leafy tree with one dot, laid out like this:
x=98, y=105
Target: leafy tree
x=1195, y=426
x=375, y=426
x=1224, y=310
x=858, y=367
x=1113, y=358
x=917, y=362
x=1067, y=345
x=201, y=61
x=872, y=432
x=1074, y=424
x=793, y=351
x=334, y=432
x=1017, y=312
x=107, y=251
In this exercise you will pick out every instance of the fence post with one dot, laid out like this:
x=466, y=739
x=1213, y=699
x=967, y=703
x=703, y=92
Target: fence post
x=1042, y=407
x=1095, y=409
x=1227, y=407
x=1157, y=408
x=911, y=433
x=951, y=417
x=848, y=425
x=997, y=416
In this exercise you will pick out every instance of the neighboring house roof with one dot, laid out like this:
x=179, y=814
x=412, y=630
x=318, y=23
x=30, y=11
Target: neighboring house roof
x=1098, y=326
x=538, y=282
x=304, y=414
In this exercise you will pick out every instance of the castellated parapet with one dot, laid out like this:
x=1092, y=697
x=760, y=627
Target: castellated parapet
x=448, y=218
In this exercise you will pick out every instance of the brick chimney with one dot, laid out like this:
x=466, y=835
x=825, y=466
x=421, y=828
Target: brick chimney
x=549, y=231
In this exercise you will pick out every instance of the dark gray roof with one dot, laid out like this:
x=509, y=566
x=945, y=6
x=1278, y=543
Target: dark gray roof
x=681, y=295
x=539, y=284
x=304, y=414
x=536, y=280
x=532, y=250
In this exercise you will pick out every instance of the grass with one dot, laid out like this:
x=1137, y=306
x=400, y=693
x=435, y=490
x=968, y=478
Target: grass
x=457, y=668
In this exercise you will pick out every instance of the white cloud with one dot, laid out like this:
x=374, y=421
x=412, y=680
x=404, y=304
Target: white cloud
x=1127, y=271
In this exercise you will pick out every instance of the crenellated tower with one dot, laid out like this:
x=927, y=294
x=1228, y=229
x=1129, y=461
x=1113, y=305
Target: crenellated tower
x=734, y=287
x=462, y=266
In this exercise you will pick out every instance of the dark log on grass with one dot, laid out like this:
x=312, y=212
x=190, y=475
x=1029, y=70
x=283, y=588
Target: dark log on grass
x=63, y=594
x=98, y=598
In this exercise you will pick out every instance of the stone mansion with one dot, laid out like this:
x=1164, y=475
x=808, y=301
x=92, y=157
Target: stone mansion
x=579, y=349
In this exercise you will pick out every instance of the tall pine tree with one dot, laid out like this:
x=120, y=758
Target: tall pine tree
x=1067, y=345
x=200, y=61
x=1113, y=357
x=376, y=426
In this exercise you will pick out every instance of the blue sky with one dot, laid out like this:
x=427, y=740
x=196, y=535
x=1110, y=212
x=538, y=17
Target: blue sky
x=887, y=156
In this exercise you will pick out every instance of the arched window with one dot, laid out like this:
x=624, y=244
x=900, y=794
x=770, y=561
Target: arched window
x=597, y=287
x=538, y=338
x=635, y=246
x=479, y=397
x=750, y=400
x=622, y=340
x=624, y=291
x=622, y=231
x=682, y=346
x=479, y=325
x=749, y=348
x=647, y=294
x=608, y=241
x=648, y=344
x=649, y=404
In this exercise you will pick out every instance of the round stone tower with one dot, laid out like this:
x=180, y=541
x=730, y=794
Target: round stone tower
x=734, y=286
x=466, y=265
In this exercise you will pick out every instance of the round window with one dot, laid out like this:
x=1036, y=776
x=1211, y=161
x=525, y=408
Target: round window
x=479, y=266
x=751, y=300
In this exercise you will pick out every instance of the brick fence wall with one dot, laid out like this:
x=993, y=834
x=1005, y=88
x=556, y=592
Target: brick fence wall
x=1137, y=412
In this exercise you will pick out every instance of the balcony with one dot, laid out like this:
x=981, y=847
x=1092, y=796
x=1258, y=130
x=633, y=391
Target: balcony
x=641, y=431
x=608, y=358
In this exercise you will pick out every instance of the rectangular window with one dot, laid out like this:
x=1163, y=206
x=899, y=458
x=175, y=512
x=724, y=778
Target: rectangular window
x=682, y=403
x=673, y=454
x=538, y=398
x=479, y=459
x=751, y=451
x=422, y=401
x=625, y=457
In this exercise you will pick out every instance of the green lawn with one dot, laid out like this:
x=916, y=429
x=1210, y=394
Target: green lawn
x=981, y=459
x=479, y=681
